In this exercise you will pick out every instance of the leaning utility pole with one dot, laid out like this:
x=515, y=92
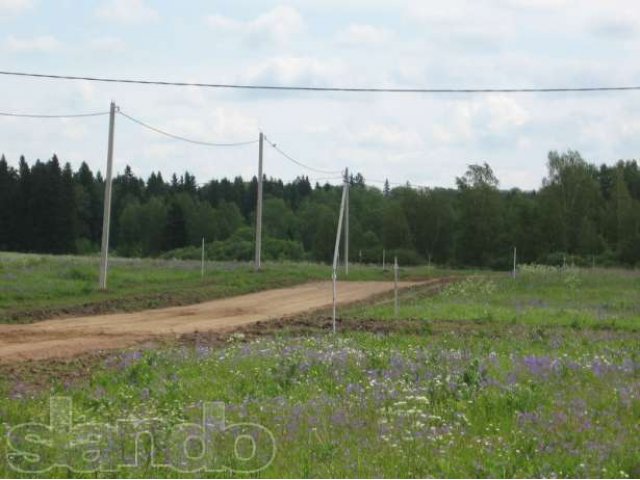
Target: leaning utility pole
x=106, y=218
x=336, y=252
x=256, y=265
x=346, y=223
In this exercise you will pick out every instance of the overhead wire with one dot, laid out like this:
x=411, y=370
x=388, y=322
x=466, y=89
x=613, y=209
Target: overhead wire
x=37, y=115
x=198, y=142
x=336, y=175
x=325, y=179
x=396, y=184
x=178, y=137
x=185, y=139
x=286, y=88
x=329, y=89
x=299, y=163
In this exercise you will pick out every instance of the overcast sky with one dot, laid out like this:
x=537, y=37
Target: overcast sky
x=424, y=139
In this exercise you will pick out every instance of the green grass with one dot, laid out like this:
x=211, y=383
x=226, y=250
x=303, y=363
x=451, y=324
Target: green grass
x=34, y=287
x=501, y=383
x=539, y=297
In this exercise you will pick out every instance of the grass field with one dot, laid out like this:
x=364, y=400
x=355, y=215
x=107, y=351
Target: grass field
x=541, y=296
x=34, y=287
x=491, y=377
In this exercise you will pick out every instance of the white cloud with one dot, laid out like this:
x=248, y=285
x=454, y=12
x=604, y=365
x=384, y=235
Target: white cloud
x=14, y=6
x=622, y=24
x=296, y=71
x=127, y=11
x=629, y=128
x=73, y=130
x=223, y=125
x=471, y=121
x=385, y=135
x=456, y=129
x=86, y=91
x=42, y=44
x=453, y=44
x=162, y=151
x=222, y=23
x=613, y=19
x=277, y=26
x=317, y=129
x=465, y=24
x=107, y=44
x=230, y=123
x=534, y=4
x=515, y=176
x=503, y=112
x=363, y=35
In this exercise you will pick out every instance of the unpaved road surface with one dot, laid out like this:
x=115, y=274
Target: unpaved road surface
x=62, y=338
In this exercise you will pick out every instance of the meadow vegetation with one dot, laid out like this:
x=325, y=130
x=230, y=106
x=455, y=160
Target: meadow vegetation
x=533, y=377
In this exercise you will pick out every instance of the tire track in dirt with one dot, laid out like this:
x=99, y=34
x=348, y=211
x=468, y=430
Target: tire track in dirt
x=65, y=338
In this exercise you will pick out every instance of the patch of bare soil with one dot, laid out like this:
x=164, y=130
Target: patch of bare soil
x=30, y=376
x=70, y=337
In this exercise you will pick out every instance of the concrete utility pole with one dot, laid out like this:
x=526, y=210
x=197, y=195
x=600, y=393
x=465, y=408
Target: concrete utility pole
x=106, y=218
x=384, y=267
x=257, y=262
x=514, y=261
x=202, y=266
x=336, y=252
x=346, y=224
x=395, y=287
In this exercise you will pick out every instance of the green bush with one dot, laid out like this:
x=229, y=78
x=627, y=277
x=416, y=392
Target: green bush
x=241, y=247
x=84, y=246
x=405, y=257
x=276, y=249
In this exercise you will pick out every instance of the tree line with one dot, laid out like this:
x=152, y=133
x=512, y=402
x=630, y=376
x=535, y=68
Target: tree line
x=589, y=213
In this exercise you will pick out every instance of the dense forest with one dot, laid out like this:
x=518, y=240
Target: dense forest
x=581, y=211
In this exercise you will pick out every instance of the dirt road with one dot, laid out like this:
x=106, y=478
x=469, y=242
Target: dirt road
x=72, y=336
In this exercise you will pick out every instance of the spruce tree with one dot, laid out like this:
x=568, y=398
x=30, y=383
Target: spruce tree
x=67, y=217
x=23, y=223
x=387, y=189
x=8, y=190
x=175, y=228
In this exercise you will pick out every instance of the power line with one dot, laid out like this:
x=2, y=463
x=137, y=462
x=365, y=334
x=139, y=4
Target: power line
x=185, y=139
x=34, y=115
x=303, y=165
x=325, y=179
x=198, y=142
x=397, y=184
x=328, y=89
